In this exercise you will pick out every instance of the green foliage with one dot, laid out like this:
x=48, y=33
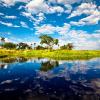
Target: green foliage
x=40, y=47
x=2, y=39
x=48, y=40
x=63, y=47
x=9, y=45
x=56, y=41
x=23, y=46
x=45, y=39
x=69, y=46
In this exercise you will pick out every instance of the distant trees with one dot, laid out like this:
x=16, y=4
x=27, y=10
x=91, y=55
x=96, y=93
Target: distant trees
x=48, y=40
x=48, y=65
x=69, y=46
x=9, y=45
x=39, y=47
x=22, y=45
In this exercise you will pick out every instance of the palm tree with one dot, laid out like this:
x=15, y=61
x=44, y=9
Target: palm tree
x=2, y=39
x=34, y=45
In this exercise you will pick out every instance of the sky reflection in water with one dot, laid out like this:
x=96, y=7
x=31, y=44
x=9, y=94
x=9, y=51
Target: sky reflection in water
x=45, y=79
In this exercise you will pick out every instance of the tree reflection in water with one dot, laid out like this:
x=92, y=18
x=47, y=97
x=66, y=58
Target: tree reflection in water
x=45, y=66
x=13, y=60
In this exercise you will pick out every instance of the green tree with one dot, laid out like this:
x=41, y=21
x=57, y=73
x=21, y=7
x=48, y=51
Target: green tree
x=63, y=47
x=2, y=39
x=70, y=46
x=39, y=47
x=48, y=40
x=22, y=45
x=9, y=45
x=56, y=41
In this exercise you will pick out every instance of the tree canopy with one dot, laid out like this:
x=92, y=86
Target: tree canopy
x=48, y=40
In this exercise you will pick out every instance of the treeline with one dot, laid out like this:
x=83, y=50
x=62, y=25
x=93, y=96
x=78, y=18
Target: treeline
x=46, y=42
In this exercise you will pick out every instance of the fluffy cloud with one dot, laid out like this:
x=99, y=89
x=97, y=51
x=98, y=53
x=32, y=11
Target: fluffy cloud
x=45, y=29
x=12, y=2
x=37, y=6
x=34, y=7
x=92, y=12
x=49, y=29
x=38, y=19
x=9, y=2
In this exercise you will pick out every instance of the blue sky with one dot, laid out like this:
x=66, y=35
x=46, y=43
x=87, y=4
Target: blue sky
x=71, y=21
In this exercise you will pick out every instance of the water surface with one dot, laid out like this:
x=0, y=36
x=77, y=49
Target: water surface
x=47, y=79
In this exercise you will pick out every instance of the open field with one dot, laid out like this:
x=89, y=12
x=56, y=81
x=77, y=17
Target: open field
x=54, y=54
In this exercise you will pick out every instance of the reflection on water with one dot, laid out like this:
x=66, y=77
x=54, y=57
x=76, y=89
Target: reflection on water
x=46, y=79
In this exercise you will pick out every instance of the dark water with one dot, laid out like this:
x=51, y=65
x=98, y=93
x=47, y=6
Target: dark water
x=45, y=79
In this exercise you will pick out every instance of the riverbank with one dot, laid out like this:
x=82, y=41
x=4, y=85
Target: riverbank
x=54, y=54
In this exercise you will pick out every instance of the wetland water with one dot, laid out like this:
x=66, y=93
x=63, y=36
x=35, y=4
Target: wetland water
x=47, y=79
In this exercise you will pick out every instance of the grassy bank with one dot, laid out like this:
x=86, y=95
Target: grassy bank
x=54, y=54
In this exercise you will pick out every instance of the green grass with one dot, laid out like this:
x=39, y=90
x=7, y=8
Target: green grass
x=54, y=54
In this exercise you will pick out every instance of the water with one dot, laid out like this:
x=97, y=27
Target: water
x=47, y=79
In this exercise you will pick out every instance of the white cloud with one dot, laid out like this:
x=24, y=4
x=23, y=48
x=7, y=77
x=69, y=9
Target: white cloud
x=84, y=8
x=10, y=17
x=65, y=1
x=8, y=24
x=45, y=29
x=12, y=2
x=1, y=14
x=39, y=17
x=27, y=14
x=57, y=9
x=68, y=8
x=34, y=7
x=9, y=2
x=23, y=24
x=92, y=12
x=49, y=29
